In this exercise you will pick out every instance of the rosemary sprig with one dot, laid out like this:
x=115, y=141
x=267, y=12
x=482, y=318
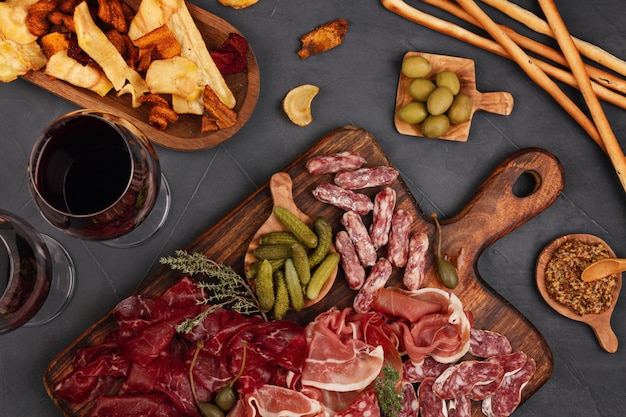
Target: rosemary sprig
x=223, y=286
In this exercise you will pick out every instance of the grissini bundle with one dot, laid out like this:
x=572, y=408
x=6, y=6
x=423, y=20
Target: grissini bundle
x=577, y=66
x=511, y=48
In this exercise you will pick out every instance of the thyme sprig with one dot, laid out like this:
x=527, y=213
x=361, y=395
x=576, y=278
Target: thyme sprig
x=389, y=400
x=223, y=286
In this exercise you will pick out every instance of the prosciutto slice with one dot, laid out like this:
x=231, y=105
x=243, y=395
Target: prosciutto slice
x=275, y=401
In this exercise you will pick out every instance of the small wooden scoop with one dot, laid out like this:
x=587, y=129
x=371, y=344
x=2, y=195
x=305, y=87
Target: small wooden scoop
x=493, y=102
x=603, y=268
x=281, y=190
x=600, y=323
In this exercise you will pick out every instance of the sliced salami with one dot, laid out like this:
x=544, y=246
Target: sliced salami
x=459, y=407
x=410, y=404
x=428, y=368
x=458, y=380
x=377, y=278
x=384, y=205
x=366, y=404
x=486, y=343
x=352, y=268
x=413, y=277
x=341, y=161
x=511, y=362
x=398, y=247
x=366, y=177
x=344, y=199
x=429, y=403
x=357, y=231
x=508, y=396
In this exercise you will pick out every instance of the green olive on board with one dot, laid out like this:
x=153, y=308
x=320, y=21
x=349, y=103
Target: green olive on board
x=416, y=67
x=435, y=126
x=414, y=112
x=449, y=80
x=461, y=109
x=439, y=101
x=420, y=89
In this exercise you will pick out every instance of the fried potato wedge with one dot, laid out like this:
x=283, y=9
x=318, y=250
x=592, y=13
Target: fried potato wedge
x=324, y=37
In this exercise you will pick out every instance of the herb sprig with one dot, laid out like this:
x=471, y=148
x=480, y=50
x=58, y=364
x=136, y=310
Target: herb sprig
x=389, y=400
x=223, y=286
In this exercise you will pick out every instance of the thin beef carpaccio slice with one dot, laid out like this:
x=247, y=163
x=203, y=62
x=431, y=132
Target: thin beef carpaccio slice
x=376, y=280
x=428, y=368
x=458, y=380
x=353, y=223
x=352, y=268
x=347, y=200
x=399, y=235
x=366, y=404
x=134, y=406
x=384, y=205
x=486, y=343
x=508, y=396
x=367, y=177
x=430, y=404
x=413, y=276
x=330, y=164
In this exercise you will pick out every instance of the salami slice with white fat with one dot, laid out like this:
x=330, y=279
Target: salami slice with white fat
x=486, y=343
x=384, y=205
x=344, y=199
x=429, y=403
x=352, y=268
x=366, y=404
x=458, y=380
x=377, y=278
x=367, y=177
x=510, y=362
x=353, y=223
x=341, y=161
x=413, y=277
x=409, y=406
x=398, y=247
x=508, y=396
x=428, y=368
x=459, y=407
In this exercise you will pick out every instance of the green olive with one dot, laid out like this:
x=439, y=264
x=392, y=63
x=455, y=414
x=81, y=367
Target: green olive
x=421, y=88
x=415, y=66
x=439, y=101
x=226, y=398
x=210, y=410
x=461, y=109
x=435, y=126
x=449, y=80
x=414, y=112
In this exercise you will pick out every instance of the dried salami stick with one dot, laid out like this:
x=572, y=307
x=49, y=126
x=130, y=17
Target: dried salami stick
x=377, y=278
x=344, y=199
x=367, y=177
x=398, y=249
x=384, y=205
x=357, y=231
x=413, y=277
x=352, y=268
x=342, y=161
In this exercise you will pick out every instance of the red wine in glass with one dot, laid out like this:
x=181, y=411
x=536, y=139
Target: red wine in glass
x=95, y=176
x=36, y=275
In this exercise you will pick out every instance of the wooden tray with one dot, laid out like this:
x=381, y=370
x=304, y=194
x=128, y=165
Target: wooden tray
x=493, y=102
x=185, y=134
x=492, y=213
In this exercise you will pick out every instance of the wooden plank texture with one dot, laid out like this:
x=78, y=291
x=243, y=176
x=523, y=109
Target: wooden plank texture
x=494, y=211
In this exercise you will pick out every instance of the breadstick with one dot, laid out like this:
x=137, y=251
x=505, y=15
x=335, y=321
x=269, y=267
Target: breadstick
x=578, y=69
x=598, y=75
x=527, y=64
x=539, y=25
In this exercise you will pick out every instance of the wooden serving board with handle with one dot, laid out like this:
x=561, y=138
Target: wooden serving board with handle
x=494, y=211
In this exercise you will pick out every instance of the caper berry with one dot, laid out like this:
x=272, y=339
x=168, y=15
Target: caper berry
x=414, y=112
x=210, y=410
x=226, y=398
x=415, y=66
x=447, y=273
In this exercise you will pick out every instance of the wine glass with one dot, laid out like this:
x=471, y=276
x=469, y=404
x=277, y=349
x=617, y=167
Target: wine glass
x=95, y=176
x=36, y=275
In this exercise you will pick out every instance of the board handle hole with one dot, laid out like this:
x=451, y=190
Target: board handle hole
x=526, y=184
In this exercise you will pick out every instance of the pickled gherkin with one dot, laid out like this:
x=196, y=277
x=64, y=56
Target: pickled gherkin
x=265, y=286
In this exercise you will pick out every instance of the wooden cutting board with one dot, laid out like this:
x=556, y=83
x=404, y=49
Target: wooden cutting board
x=492, y=213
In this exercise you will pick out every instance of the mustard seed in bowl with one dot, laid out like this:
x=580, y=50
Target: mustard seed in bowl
x=563, y=282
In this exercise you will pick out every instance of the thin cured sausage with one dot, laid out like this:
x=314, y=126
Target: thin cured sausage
x=352, y=268
x=485, y=343
x=357, y=231
x=344, y=199
x=384, y=205
x=377, y=278
x=366, y=177
x=413, y=277
x=398, y=248
x=341, y=161
x=458, y=380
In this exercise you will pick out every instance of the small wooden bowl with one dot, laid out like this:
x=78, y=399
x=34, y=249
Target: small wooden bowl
x=496, y=102
x=600, y=323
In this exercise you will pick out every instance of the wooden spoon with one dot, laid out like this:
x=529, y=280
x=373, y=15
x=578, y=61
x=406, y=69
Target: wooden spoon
x=603, y=268
x=281, y=190
x=600, y=323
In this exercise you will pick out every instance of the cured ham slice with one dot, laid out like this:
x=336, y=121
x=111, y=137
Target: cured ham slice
x=338, y=357
x=275, y=401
